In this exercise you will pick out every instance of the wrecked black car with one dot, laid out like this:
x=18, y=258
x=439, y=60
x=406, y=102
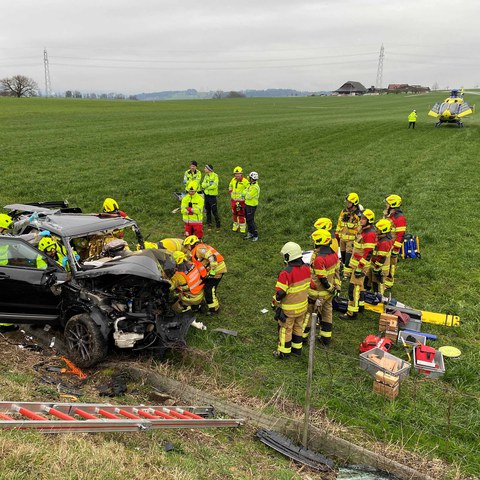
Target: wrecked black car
x=111, y=292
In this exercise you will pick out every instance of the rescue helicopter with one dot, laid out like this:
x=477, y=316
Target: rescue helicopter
x=452, y=109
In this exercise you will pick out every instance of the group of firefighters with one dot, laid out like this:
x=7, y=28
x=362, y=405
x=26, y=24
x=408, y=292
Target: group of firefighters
x=244, y=195
x=368, y=258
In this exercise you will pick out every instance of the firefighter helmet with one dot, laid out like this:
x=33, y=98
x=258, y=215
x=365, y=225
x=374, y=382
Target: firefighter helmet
x=5, y=221
x=191, y=240
x=369, y=215
x=110, y=205
x=150, y=245
x=323, y=223
x=394, y=201
x=254, y=176
x=291, y=251
x=384, y=225
x=353, y=198
x=46, y=244
x=179, y=257
x=192, y=186
x=321, y=237
x=238, y=170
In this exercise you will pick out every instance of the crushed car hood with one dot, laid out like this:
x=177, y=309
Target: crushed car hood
x=142, y=266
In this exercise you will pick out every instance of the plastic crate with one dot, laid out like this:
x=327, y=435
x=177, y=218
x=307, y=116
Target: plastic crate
x=372, y=367
x=419, y=338
x=429, y=371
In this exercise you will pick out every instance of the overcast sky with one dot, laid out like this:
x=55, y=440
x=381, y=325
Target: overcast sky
x=153, y=45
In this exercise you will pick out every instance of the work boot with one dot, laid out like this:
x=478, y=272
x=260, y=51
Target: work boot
x=254, y=239
x=235, y=227
x=297, y=352
x=347, y=316
x=280, y=355
x=324, y=341
x=248, y=236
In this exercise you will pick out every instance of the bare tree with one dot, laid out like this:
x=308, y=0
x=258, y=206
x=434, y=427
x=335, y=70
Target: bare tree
x=218, y=95
x=18, y=86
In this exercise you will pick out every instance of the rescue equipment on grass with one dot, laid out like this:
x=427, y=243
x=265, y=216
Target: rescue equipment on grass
x=410, y=247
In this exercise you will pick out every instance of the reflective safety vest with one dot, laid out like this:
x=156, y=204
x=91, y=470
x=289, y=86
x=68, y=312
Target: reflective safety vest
x=236, y=188
x=381, y=253
x=348, y=224
x=188, y=275
x=201, y=254
x=412, y=117
x=252, y=194
x=210, y=184
x=399, y=227
x=294, y=280
x=363, y=246
x=324, y=264
x=195, y=202
x=171, y=244
x=3, y=254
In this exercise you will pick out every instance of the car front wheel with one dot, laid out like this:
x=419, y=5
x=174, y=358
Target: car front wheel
x=85, y=342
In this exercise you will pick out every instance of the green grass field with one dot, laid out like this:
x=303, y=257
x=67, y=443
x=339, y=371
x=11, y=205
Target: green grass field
x=309, y=152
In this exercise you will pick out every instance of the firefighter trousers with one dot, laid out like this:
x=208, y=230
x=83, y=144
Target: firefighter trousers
x=390, y=278
x=290, y=333
x=210, y=291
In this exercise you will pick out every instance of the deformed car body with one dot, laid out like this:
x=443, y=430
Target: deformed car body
x=105, y=298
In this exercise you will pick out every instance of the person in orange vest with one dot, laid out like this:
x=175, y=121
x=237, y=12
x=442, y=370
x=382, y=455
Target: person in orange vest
x=192, y=211
x=325, y=284
x=236, y=189
x=290, y=301
x=363, y=246
x=399, y=227
x=187, y=284
x=211, y=266
x=347, y=227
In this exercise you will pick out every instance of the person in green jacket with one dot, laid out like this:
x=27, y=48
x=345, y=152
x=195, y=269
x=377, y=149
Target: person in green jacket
x=210, y=191
x=412, y=118
x=251, y=195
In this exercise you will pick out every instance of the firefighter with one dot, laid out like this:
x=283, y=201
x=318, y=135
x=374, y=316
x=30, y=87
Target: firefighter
x=211, y=266
x=171, y=244
x=380, y=264
x=412, y=119
x=347, y=228
x=324, y=223
x=251, y=194
x=363, y=246
x=192, y=211
x=192, y=174
x=290, y=301
x=186, y=283
x=325, y=284
x=236, y=189
x=53, y=250
x=111, y=206
x=399, y=226
x=210, y=190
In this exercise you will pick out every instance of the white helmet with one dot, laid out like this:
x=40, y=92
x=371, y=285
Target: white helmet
x=291, y=251
x=254, y=176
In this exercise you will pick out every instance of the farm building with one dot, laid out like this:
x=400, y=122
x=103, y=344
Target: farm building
x=351, y=88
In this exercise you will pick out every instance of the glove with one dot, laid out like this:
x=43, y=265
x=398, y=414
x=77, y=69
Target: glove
x=44, y=233
x=190, y=210
x=212, y=272
x=274, y=302
x=64, y=262
x=238, y=207
x=77, y=257
x=33, y=217
x=378, y=273
x=358, y=273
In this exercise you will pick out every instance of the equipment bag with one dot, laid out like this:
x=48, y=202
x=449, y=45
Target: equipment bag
x=410, y=247
x=425, y=355
x=340, y=304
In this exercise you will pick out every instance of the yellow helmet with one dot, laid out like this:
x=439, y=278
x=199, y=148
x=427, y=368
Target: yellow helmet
x=323, y=223
x=321, y=237
x=46, y=244
x=179, y=257
x=191, y=240
x=238, y=170
x=150, y=245
x=192, y=186
x=291, y=251
x=394, y=200
x=110, y=205
x=384, y=225
x=369, y=215
x=5, y=221
x=353, y=198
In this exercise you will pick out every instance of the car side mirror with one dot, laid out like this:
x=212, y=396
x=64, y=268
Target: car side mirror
x=49, y=277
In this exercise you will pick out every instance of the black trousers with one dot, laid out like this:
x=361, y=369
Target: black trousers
x=211, y=208
x=250, y=217
x=411, y=124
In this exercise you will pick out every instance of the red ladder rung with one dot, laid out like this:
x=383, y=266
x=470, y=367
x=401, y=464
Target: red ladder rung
x=106, y=414
x=29, y=414
x=127, y=414
x=175, y=414
x=163, y=415
x=190, y=414
x=144, y=414
x=5, y=417
x=58, y=414
x=84, y=414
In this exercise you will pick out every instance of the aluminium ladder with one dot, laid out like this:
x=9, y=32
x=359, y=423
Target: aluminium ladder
x=90, y=417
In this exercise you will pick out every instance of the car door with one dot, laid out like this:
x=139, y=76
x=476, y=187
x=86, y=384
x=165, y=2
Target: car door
x=25, y=290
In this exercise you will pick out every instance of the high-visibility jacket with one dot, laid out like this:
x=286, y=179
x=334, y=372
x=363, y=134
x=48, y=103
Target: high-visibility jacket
x=348, y=224
x=210, y=184
x=324, y=268
x=381, y=252
x=399, y=226
x=363, y=246
x=236, y=188
x=189, y=176
x=206, y=258
x=292, y=288
x=412, y=117
x=195, y=202
x=252, y=194
x=3, y=254
x=187, y=278
x=171, y=244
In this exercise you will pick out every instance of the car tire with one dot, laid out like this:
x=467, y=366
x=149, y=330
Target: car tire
x=85, y=342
